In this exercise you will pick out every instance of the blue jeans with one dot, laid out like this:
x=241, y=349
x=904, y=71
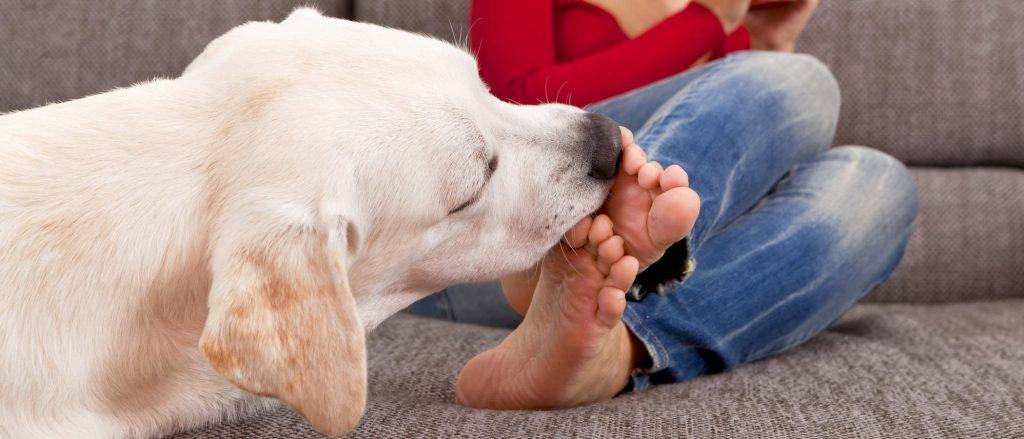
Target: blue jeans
x=790, y=235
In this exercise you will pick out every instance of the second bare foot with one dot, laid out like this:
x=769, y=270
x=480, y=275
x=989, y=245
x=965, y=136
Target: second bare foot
x=572, y=347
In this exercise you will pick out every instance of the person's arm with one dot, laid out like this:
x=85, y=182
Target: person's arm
x=735, y=42
x=514, y=43
x=777, y=24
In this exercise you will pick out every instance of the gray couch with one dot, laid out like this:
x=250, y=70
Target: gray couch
x=938, y=351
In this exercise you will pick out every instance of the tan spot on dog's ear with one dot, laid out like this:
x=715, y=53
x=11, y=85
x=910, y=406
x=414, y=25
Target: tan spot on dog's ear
x=283, y=323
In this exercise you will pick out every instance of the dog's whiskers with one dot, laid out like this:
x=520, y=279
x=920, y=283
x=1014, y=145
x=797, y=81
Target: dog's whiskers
x=461, y=39
x=567, y=261
x=536, y=272
x=565, y=239
x=559, y=92
x=547, y=99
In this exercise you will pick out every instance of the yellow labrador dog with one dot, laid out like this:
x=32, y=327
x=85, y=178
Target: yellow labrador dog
x=191, y=249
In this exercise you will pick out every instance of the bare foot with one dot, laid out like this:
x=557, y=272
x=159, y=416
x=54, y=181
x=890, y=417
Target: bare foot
x=651, y=209
x=572, y=348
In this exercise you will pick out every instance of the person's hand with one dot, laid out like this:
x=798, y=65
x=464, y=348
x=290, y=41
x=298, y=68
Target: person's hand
x=776, y=24
x=729, y=12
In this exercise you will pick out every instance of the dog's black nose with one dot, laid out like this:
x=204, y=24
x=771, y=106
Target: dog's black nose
x=602, y=140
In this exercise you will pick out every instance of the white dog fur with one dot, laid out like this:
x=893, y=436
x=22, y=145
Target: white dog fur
x=173, y=249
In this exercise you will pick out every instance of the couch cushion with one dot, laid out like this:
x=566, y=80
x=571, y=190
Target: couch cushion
x=968, y=241
x=54, y=50
x=883, y=370
x=932, y=82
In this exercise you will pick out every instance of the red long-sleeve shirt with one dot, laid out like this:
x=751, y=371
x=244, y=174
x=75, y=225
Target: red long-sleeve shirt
x=571, y=51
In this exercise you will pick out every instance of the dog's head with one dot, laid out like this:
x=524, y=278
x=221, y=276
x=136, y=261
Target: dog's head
x=365, y=167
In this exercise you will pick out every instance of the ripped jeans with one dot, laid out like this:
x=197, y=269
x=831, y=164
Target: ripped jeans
x=791, y=233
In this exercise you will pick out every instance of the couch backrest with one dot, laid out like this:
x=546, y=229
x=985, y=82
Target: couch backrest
x=934, y=82
x=54, y=50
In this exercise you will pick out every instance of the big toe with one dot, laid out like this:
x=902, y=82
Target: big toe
x=672, y=216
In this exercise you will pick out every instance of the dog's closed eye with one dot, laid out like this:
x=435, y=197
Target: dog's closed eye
x=492, y=165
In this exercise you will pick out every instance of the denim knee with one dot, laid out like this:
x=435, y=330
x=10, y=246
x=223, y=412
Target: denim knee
x=868, y=193
x=804, y=83
x=802, y=75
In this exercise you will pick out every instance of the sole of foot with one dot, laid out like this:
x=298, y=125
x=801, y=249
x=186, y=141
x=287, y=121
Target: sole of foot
x=572, y=347
x=649, y=207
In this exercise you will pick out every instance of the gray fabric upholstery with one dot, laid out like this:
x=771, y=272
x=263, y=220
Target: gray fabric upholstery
x=903, y=371
x=968, y=241
x=54, y=50
x=445, y=19
x=932, y=82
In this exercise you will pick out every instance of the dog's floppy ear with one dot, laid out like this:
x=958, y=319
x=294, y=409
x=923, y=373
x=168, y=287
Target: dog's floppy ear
x=282, y=322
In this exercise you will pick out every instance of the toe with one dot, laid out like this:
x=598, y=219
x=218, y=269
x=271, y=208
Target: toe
x=672, y=216
x=610, y=251
x=632, y=159
x=673, y=177
x=649, y=175
x=627, y=136
x=622, y=273
x=576, y=237
x=600, y=231
x=611, y=303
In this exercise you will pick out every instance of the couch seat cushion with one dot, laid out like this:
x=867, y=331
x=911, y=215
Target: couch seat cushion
x=883, y=370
